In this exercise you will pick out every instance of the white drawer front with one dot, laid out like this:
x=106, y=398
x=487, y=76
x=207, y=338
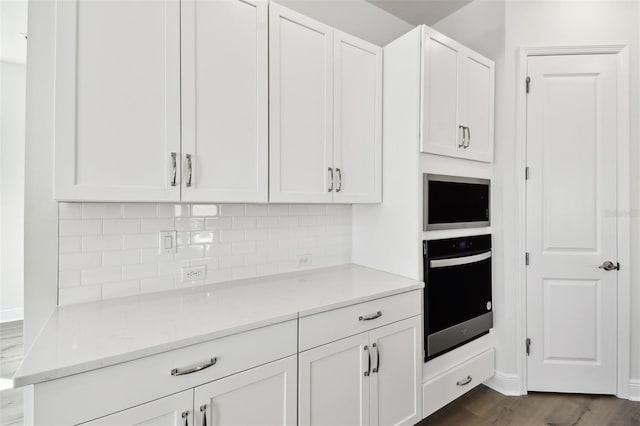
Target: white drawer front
x=442, y=389
x=110, y=389
x=325, y=327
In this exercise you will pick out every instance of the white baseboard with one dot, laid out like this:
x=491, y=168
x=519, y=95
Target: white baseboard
x=9, y=315
x=634, y=390
x=506, y=384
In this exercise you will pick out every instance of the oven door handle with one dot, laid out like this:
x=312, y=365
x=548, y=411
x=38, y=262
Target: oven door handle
x=455, y=261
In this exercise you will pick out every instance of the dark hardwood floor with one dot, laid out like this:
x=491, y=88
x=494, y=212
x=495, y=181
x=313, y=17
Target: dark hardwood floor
x=483, y=406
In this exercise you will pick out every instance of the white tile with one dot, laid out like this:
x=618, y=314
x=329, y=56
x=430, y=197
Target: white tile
x=121, y=257
x=214, y=223
x=101, y=211
x=135, y=272
x=102, y=243
x=190, y=252
x=285, y=244
x=212, y=250
x=256, y=210
x=278, y=209
x=228, y=236
x=308, y=221
x=173, y=210
x=265, y=246
x=100, y=275
x=157, y=284
x=243, y=272
x=183, y=238
x=189, y=224
x=80, y=227
x=70, y=244
x=298, y=210
x=79, y=260
x=231, y=261
x=317, y=209
x=325, y=220
x=69, y=278
x=288, y=221
x=139, y=210
x=255, y=258
x=243, y=247
x=169, y=268
x=267, y=222
x=212, y=263
x=221, y=275
x=82, y=294
x=244, y=223
x=190, y=284
x=278, y=234
x=69, y=210
x=141, y=241
x=120, y=289
x=267, y=269
x=121, y=226
x=256, y=234
x=277, y=255
x=204, y=237
x=338, y=209
x=153, y=255
x=205, y=210
x=232, y=209
x=156, y=225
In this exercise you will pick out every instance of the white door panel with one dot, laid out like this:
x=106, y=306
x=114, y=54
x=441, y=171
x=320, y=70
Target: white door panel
x=477, y=104
x=224, y=100
x=571, y=228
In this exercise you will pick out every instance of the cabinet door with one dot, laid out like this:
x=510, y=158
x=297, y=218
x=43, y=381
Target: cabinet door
x=333, y=387
x=174, y=410
x=264, y=395
x=117, y=100
x=441, y=63
x=357, y=102
x=477, y=94
x=224, y=100
x=396, y=377
x=301, y=107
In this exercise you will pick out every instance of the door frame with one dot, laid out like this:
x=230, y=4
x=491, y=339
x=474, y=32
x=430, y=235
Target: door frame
x=623, y=204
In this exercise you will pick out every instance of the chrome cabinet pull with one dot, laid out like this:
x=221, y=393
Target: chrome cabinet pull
x=366, y=373
x=174, y=169
x=189, y=370
x=468, y=130
x=203, y=410
x=189, y=169
x=370, y=316
x=461, y=138
x=464, y=382
x=330, y=179
x=377, y=367
x=339, y=180
x=185, y=416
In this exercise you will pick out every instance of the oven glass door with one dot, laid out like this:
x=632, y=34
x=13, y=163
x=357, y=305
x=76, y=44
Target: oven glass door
x=457, y=289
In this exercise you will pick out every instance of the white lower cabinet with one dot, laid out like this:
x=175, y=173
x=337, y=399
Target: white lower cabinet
x=264, y=395
x=174, y=410
x=371, y=378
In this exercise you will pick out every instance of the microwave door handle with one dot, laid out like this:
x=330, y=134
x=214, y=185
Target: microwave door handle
x=441, y=263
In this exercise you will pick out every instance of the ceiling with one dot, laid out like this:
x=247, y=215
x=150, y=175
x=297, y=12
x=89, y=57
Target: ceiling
x=418, y=12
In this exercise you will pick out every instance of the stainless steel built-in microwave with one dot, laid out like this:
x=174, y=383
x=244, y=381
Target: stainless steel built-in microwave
x=451, y=202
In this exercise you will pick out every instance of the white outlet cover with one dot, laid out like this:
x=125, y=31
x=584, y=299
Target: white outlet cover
x=303, y=260
x=194, y=273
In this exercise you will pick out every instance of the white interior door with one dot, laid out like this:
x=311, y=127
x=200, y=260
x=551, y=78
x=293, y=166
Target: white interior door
x=264, y=395
x=224, y=100
x=571, y=223
x=301, y=107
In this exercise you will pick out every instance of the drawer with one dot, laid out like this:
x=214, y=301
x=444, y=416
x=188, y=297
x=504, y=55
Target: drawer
x=114, y=388
x=442, y=389
x=325, y=327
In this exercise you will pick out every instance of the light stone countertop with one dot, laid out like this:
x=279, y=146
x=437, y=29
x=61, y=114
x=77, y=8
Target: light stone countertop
x=79, y=338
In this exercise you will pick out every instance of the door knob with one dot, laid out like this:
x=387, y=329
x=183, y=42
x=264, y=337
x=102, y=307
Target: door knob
x=610, y=266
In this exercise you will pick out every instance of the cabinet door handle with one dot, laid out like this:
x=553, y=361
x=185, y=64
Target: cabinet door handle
x=377, y=367
x=174, y=169
x=185, y=416
x=366, y=373
x=189, y=370
x=464, y=382
x=370, y=316
x=339, y=179
x=330, y=179
x=189, y=169
x=468, y=137
x=461, y=136
x=203, y=410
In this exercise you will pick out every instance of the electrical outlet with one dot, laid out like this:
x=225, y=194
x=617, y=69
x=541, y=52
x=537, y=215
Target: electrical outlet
x=303, y=260
x=194, y=273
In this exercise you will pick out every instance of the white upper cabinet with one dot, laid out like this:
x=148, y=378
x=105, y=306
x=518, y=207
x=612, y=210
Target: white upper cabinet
x=357, y=101
x=457, y=99
x=117, y=106
x=301, y=107
x=224, y=100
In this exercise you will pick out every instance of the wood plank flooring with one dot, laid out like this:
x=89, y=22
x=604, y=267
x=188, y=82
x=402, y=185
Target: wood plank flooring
x=483, y=406
x=11, y=354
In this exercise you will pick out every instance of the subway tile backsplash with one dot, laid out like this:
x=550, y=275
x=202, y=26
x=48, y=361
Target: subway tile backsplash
x=112, y=250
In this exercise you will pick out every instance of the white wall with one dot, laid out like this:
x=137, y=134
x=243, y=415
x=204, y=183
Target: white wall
x=530, y=23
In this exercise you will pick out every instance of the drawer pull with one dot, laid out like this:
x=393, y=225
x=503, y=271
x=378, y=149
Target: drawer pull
x=376, y=369
x=183, y=371
x=370, y=316
x=464, y=382
x=203, y=410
